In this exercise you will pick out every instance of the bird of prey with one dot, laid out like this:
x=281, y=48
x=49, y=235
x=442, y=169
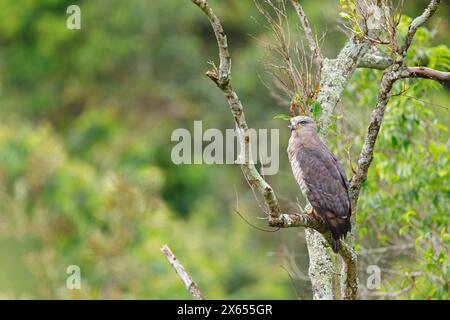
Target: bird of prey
x=321, y=177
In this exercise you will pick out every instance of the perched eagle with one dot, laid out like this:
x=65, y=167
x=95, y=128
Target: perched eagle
x=320, y=176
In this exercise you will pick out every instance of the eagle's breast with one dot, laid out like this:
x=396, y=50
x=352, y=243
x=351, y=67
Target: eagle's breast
x=298, y=173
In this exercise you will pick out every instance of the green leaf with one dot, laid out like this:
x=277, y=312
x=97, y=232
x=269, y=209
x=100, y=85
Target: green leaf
x=344, y=15
x=282, y=116
x=316, y=109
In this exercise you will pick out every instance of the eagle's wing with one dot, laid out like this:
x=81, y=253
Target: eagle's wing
x=326, y=188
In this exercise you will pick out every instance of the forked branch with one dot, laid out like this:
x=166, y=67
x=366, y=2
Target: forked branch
x=390, y=75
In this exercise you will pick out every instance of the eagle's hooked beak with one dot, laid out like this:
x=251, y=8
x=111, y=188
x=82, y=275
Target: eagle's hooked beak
x=291, y=126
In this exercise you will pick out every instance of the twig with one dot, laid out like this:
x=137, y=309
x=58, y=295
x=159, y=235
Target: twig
x=382, y=250
x=422, y=101
x=292, y=281
x=312, y=40
x=252, y=225
x=190, y=285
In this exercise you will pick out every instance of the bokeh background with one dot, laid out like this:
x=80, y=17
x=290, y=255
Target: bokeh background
x=86, y=177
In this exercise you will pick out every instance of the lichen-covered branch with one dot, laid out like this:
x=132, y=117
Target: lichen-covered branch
x=375, y=60
x=312, y=40
x=307, y=220
x=426, y=73
x=222, y=77
x=334, y=78
x=321, y=267
x=190, y=285
x=349, y=286
x=417, y=23
x=376, y=118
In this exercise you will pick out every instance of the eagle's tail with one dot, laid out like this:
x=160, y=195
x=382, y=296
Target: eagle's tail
x=339, y=228
x=335, y=245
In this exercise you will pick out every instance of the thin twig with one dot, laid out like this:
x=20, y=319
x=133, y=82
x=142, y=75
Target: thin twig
x=312, y=40
x=190, y=285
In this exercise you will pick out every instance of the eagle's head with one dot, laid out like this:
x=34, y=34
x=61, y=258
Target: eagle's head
x=301, y=125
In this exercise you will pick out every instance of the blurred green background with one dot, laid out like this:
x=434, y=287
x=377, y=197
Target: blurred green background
x=86, y=177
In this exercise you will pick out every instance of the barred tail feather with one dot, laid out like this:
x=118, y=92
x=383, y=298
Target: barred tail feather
x=339, y=229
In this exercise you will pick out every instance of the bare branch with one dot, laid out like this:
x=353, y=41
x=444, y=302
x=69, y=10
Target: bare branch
x=376, y=118
x=190, y=285
x=426, y=73
x=418, y=22
x=222, y=78
x=312, y=40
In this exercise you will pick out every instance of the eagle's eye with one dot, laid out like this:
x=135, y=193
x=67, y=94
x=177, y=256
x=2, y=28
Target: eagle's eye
x=302, y=123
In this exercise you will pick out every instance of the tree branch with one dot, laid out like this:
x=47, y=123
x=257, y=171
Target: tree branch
x=307, y=220
x=426, y=73
x=312, y=40
x=375, y=60
x=392, y=74
x=418, y=22
x=349, y=287
x=393, y=294
x=222, y=79
x=190, y=285
x=376, y=118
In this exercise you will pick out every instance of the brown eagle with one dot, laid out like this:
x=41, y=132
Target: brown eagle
x=320, y=176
